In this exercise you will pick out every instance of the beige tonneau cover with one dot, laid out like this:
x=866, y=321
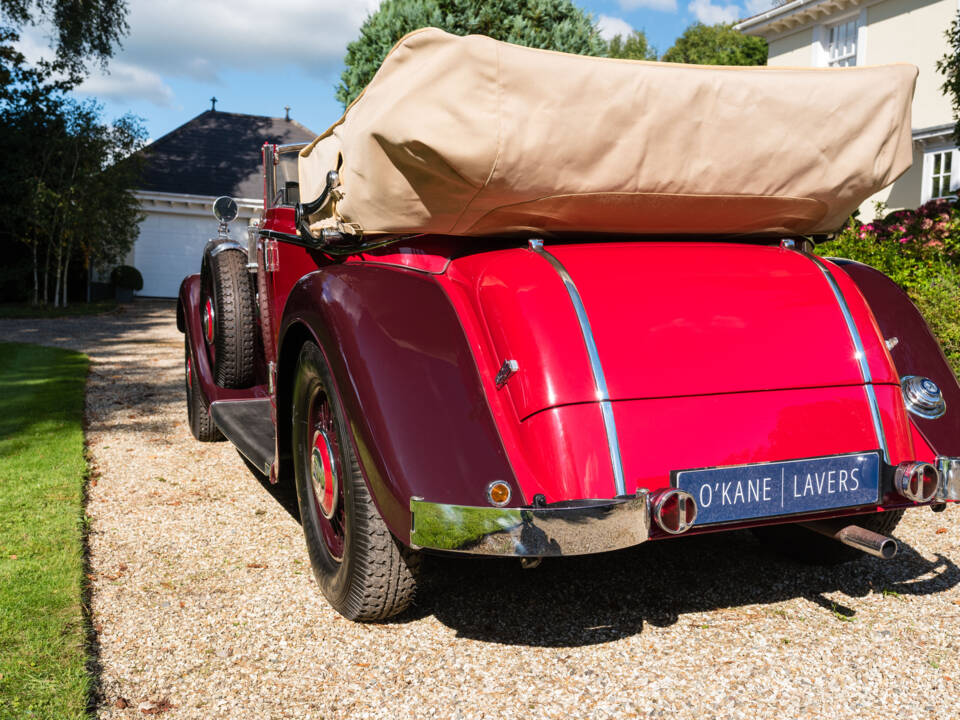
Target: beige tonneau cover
x=472, y=136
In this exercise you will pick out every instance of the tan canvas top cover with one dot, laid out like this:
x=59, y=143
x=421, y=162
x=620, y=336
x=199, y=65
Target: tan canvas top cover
x=469, y=135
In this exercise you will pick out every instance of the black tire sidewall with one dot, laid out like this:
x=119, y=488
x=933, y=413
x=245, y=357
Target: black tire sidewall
x=234, y=317
x=333, y=576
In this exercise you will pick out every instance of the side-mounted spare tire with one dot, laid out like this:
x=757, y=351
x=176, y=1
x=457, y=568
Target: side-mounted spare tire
x=229, y=318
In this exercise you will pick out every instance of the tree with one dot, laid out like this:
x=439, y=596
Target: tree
x=66, y=188
x=634, y=47
x=551, y=24
x=949, y=66
x=72, y=199
x=84, y=29
x=716, y=45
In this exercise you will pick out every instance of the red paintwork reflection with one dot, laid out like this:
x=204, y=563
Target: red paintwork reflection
x=529, y=319
x=668, y=319
x=658, y=436
x=568, y=448
x=693, y=318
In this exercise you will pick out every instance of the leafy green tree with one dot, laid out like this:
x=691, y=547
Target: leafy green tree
x=634, y=47
x=83, y=29
x=949, y=67
x=551, y=24
x=716, y=45
x=66, y=186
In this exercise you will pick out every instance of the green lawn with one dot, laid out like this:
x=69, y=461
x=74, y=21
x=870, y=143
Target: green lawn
x=42, y=474
x=25, y=310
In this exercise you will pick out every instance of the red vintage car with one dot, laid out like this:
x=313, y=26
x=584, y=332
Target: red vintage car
x=563, y=378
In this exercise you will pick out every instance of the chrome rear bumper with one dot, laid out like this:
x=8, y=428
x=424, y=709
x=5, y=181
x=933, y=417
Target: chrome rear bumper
x=577, y=527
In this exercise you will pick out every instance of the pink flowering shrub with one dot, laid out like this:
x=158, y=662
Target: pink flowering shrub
x=920, y=250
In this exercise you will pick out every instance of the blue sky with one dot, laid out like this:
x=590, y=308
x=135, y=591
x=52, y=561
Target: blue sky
x=180, y=53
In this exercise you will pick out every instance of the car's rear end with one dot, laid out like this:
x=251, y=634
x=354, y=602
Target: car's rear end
x=724, y=384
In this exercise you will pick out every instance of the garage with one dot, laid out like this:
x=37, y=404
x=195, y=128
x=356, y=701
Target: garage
x=216, y=153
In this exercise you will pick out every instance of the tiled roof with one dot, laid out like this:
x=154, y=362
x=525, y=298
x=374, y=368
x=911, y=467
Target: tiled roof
x=216, y=153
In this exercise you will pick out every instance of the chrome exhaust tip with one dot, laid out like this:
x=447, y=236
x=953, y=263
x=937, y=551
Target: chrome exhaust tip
x=674, y=511
x=917, y=481
x=857, y=537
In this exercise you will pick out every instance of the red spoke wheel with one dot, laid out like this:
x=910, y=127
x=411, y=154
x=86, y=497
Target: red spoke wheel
x=201, y=424
x=362, y=570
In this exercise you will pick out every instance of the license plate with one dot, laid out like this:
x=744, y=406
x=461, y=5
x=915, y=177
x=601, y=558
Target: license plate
x=743, y=492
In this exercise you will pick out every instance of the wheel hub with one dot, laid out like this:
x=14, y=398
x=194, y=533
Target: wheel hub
x=323, y=475
x=207, y=321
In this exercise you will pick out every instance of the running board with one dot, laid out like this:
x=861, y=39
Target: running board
x=249, y=426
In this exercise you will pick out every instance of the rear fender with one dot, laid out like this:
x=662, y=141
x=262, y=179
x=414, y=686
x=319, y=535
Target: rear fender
x=916, y=351
x=407, y=380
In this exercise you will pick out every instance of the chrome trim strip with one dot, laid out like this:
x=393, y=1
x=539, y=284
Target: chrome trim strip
x=599, y=380
x=861, y=356
x=573, y=528
x=290, y=147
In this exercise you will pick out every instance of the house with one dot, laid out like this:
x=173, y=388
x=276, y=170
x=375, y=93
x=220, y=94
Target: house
x=216, y=153
x=843, y=33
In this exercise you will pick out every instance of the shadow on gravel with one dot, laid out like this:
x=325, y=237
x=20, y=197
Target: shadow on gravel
x=283, y=493
x=580, y=601
x=589, y=600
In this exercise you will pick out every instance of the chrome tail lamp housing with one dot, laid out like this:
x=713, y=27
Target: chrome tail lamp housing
x=922, y=397
x=917, y=481
x=674, y=511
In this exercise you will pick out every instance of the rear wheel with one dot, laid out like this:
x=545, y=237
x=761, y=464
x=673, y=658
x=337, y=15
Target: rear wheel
x=810, y=548
x=198, y=413
x=228, y=318
x=364, y=573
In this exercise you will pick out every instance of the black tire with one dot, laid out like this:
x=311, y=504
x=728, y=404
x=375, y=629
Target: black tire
x=226, y=282
x=202, y=426
x=374, y=577
x=810, y=548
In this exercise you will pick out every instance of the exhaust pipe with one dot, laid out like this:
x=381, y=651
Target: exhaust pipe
x=857, y=537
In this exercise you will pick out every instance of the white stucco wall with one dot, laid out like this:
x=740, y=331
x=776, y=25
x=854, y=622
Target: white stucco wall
x=792, y=50
x=913, y=31
x=909, y=31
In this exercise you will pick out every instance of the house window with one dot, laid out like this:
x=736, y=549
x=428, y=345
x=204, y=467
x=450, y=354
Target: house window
x=940, y=172
x=842, y=44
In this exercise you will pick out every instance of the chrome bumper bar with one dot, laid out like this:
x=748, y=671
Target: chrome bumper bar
x=949, y=479
x=577, y=527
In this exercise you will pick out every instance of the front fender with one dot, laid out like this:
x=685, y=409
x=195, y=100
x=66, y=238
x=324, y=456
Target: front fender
x=917, y=351
x=420, y=422
x=188, y=322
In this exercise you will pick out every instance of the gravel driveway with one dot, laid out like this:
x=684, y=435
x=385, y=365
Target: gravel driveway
x=205, y=607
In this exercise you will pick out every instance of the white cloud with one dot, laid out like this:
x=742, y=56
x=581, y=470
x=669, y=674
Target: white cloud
x=126, y=82
x=755, y=7
x=200, y=40
x=612, y=26
x=662, y=5
x=710, y=14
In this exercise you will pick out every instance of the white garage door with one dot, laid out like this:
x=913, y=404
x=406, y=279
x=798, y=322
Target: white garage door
x=170, y=248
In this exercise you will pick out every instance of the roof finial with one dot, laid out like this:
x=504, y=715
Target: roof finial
x=213, y=104
x=287, y=108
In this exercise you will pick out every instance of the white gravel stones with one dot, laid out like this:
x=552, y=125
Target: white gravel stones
x=205, y=606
